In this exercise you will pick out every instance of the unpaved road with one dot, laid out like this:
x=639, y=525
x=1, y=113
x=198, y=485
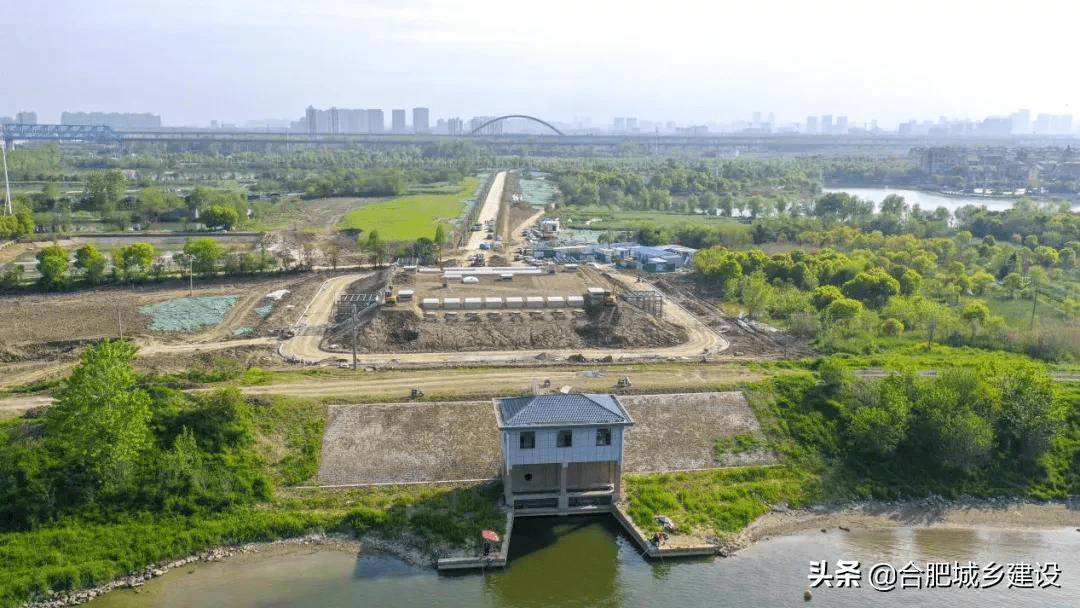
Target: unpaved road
x=304, y=347
x=506, y=381
x=489, y=211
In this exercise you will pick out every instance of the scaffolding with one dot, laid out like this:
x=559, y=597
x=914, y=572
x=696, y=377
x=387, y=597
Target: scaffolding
x=651, y=302
x=349, y=305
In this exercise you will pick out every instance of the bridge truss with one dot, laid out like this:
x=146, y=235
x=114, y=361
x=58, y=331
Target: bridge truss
x=100, y=134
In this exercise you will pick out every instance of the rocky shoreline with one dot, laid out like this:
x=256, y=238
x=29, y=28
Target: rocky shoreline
x=933, y=511
x=408, y=548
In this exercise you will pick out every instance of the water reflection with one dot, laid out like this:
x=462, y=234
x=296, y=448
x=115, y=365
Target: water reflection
x=945, y=544
x=547, y=569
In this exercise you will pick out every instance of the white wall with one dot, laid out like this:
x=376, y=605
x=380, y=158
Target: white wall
x=583, y=448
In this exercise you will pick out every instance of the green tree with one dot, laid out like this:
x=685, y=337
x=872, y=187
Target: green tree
x=105, y=189
x=52, y=265
x=99, y=425
x=92, y=262
x=975, y=312
x=205, y=253
x=134, y=260
x=756, y=293
x=219, y=216
x=873, y=287
x=12, y=276
x=878, y=428
x=375, y=246
x=843, y=310
x=1013, y=282
x=440, y=236
x=1031, y=415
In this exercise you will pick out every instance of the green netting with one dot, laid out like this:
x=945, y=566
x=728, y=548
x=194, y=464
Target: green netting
x=538, y=193
x=265, y=310
x=188, y=313
x=240, y=331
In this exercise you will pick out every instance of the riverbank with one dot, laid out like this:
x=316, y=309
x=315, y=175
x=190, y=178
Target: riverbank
x=931, y=512
x=407, y=548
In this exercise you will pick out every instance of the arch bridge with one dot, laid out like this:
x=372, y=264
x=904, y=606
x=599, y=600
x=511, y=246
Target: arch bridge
x=526, y=117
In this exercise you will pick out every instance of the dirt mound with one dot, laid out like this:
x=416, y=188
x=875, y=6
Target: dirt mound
x=405, y=331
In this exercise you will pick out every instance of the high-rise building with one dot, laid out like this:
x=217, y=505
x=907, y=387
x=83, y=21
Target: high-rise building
x=26, y=118
x=312, y=116
x=397, y=121
x=455, y=126
x=1021, y=122
x=826, y=124
x=811, y=124
x=121, y=121
x=841, y=124
x=619, y=124
x=376, y=124
x=335, y=121
x=631, y=123
x=420, y=122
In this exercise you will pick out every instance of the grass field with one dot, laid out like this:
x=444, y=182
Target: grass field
x=629, y=219
x=410, y=217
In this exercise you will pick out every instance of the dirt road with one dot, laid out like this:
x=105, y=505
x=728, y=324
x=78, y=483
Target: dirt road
x=489, y=211
x=471, y=382
x=308, y=326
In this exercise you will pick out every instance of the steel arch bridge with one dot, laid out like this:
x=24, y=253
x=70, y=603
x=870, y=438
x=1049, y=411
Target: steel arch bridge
x=532, y=118
x=92, y=133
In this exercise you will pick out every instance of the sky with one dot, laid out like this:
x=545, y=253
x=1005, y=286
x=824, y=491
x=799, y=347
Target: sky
x=692, y=62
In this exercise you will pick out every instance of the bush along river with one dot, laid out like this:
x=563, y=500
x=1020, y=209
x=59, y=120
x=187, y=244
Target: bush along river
x=590, y=561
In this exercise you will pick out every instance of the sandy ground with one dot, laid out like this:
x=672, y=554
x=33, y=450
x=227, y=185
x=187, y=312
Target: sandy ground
x=932, y=512
x=305, y=345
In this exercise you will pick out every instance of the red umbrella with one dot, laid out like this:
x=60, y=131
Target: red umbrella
x=490, y=535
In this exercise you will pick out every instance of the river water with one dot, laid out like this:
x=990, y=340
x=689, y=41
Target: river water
x=590, y=561
x=928, y=201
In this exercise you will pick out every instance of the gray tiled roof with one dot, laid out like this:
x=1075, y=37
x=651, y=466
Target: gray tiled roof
x=577, y=408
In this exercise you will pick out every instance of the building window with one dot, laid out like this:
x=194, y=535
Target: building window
x=603, y=436
x=565, y=439
x=528, y=440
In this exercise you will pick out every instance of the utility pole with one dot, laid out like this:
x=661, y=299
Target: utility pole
x=7, y=185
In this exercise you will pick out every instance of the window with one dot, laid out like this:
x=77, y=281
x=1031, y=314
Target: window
x=603, y=436
x=528, y=440
x=565, y=439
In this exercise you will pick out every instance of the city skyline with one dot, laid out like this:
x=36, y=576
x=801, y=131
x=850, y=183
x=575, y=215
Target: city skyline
x=194, y=62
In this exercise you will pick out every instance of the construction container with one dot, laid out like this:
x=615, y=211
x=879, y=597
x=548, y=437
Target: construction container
x=575, y=301
x=430, y=304
x=534, y=302
x=515, y=302
x=473, y=303
x=493, y=302
x=405, y=295
x=451, y=303
x=556, y=302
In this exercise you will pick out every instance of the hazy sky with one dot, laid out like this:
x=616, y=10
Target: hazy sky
x=193, y=61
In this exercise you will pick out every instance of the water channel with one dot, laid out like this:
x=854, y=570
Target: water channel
x=590, y=561
x=929, y=201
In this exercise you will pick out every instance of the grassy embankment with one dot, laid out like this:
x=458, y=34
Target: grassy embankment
x=413, y=216
x=85, y=549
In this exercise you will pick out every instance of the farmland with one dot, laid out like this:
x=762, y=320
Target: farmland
x=413, y=216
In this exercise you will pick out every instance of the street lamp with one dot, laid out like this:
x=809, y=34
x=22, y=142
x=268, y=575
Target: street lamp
x=189, y=259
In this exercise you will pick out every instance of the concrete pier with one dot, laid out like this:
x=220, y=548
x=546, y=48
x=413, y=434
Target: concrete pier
x=495, y=559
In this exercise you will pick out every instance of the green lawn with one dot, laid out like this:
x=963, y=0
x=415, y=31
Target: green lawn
x=410, y=217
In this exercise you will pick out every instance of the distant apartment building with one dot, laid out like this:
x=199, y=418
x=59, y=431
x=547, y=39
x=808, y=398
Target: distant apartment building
x=455, y=126
x=376, y=124
x=397, y=121
x=619, y=124
x=811, y=124
x=120, y=121
x=841, y=125
x=827, y=124
x=1021, y=122
x=26, y=118
x=420, y=120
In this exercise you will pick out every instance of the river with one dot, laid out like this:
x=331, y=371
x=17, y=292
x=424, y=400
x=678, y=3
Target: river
x=590, y=561
x=928, y=201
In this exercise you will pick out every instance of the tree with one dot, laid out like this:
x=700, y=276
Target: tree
x=92, y=262
x=876, y=429
x=12, y=276
x=52, y=265
x=134, y=260
x=892, y=327
x=440, y=236
x=205, y=253
x=105, y=189
x=1013, y=282
x=873, y=287
x=1031, y=415
x=375, y=246
x=99, y=425
x=976, y=313
x=219, y=216
x=756, y=293
x=843, y=309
